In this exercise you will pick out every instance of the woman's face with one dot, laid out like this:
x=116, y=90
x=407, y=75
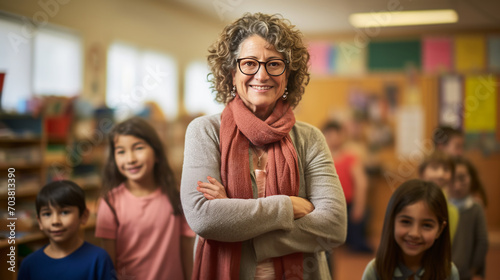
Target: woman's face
x=260, y=91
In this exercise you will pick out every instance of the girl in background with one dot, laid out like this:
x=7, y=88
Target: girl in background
x=140, y=218
x=469, y=172
x=415, y=241
x=471, y=240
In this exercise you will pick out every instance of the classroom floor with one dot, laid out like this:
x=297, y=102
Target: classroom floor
x=350, y=266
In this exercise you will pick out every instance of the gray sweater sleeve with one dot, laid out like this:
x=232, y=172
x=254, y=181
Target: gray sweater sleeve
x=325, y=227
x=229, y=220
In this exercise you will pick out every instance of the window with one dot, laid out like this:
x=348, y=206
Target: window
x=37, y=61
x=15, y=62
x=57, y=63
x=136, y=76
x=198, y=98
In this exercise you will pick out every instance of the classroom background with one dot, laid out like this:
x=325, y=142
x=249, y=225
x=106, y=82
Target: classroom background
x=70, y=69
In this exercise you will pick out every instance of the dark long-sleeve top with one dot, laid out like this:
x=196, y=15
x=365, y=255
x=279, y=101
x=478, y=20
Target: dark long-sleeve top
x=470, y=245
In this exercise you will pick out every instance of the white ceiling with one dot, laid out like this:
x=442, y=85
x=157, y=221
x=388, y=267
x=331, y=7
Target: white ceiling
x=331, y=16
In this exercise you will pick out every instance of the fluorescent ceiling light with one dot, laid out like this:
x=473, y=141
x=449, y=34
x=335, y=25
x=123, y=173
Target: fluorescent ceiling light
x=401, y=18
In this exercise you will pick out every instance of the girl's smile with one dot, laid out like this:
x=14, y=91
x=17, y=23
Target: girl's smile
x=415, y=230
x=135, y=159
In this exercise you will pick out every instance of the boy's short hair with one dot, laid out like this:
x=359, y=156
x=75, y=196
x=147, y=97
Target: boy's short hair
x=442, y=135
x=332, y=125
x=440, y=158
x=61, y=193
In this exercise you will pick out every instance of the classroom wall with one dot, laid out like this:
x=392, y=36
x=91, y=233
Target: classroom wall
x=154, y=25
x=327, y=96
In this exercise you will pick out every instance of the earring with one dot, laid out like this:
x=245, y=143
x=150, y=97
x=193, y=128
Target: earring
x=233, y=91
x=285, y=95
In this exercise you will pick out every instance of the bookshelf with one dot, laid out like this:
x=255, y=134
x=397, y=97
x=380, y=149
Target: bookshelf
x=25, y=145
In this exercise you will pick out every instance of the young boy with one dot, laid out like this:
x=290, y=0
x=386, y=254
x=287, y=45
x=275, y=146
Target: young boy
x=440, y=169
x=449, y=140
x=61, y=209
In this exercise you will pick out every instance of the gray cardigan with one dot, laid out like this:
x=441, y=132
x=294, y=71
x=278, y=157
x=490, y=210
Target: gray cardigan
x=266, y=225
x=470, y=245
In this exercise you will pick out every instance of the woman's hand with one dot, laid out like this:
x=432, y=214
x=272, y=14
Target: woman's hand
x=212, y=190
x=301, y=207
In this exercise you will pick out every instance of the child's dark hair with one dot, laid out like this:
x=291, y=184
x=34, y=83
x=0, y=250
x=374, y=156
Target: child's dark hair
x=440, y=158
x=61, y=193
x=163, y=174
x=477, y=186
x=332, y=125
x=437, y=259
x=442, y=135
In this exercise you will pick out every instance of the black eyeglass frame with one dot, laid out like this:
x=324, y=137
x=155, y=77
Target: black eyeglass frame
x=286, y=62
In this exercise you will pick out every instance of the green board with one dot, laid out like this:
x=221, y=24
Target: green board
x=394, y=55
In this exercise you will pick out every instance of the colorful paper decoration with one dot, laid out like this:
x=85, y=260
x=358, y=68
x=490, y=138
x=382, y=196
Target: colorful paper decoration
x=351, y=59
x=494, y=53
x=437, y=54
x=320, y=58
x=470, y=53
x=451, y=101
x=480, y=103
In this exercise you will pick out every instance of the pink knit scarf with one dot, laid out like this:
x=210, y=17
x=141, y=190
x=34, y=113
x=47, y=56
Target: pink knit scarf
x=239, y=127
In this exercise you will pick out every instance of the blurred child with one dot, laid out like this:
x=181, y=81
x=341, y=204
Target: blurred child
x=471, y=240
x=415, y=241
x=140, y=217
x=61, y=210
x=354, y=182
x=449, y=140
x=440, y=169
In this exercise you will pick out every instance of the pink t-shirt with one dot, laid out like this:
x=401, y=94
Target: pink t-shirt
x=148, y=237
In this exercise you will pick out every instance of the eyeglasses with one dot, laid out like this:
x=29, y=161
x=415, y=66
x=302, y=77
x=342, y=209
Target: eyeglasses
x=250, y=66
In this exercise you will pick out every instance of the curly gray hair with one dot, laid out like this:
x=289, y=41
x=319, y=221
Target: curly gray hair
x=278, y=32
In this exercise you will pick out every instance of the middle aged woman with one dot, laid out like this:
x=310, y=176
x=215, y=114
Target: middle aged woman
x=259, y=188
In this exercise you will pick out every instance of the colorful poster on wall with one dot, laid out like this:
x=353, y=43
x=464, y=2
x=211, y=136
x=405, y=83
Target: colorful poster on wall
x=470, y=53
x=351, y=59
x=437, y=54
x=2, y=77
x=409, y=129
x=332, y=59
x=494, y=54
x=451, y=101
x=320, y=58
x=480, y=103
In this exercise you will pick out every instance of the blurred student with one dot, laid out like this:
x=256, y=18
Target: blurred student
x=415, y=241
x=471, y=240
x=439, y=168
x=61, y=210
x=449, y=140
x=140, y=218
x=354, y=183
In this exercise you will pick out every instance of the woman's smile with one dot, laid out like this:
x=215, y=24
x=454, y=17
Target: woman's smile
x=259, y=91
